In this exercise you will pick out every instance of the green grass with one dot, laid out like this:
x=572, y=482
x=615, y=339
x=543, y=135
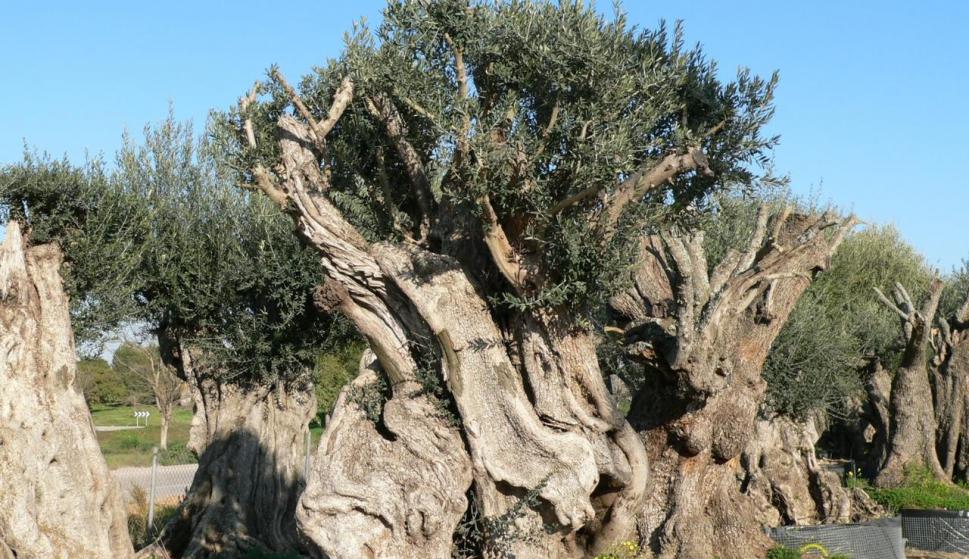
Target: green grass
x=133, y=447
x=920, y=491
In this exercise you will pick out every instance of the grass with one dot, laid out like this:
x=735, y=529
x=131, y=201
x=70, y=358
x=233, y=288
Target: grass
x=920, y=491
x=133, y=447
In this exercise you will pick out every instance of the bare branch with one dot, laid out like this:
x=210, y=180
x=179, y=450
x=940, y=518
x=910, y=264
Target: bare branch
x=244, y=104
x=645, y=180
x=461, y=72
x=891, y=305
x=341, y=100
x=504, y=255
x=301, y=107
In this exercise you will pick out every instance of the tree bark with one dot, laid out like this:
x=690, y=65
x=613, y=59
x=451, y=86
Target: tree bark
x=913, y=425
x=57, y=497
x=702, y=338
x=250, y=441
x=556, y=469
x=166, y=419
x=393, y=488
x=950, y=386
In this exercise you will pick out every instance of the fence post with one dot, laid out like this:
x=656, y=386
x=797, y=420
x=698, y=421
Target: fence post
x=306, y=462
x=151, y=493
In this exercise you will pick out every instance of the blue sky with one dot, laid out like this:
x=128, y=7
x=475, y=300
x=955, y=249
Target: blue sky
x=870, y=108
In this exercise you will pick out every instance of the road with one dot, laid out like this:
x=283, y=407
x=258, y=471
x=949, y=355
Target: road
x=170, y=481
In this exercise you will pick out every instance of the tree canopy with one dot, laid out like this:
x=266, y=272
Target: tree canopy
x=538, y=134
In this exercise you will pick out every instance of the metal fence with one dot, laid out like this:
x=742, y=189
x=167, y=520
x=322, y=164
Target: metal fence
x=937, y=530
x=879, y=539
x=166, y=486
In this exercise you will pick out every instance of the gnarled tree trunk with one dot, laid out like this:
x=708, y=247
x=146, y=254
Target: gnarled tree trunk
x=703, y=338
x=913, y=425
x=250, y=441
x=57, y=497
x=556, y=469
x=950, y=383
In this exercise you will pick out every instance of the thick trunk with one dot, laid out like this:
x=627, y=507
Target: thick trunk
x=702, y=338
x=251, y=446
x=950, y=383
x=389, y=478
x=557, y=471
x=57, y=497
x=913, y=426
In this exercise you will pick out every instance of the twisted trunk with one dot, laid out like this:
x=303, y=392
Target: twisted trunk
x=57, y=497
x=702, y=338
x=913, y=425
x=556, y=470
x=250, y=441
x=950, y=385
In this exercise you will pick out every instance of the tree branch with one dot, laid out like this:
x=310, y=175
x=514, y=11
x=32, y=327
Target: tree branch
x=504, y=255
x=642, y=181
x=382, y=109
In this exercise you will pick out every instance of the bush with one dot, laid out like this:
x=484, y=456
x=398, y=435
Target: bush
x=176, y=454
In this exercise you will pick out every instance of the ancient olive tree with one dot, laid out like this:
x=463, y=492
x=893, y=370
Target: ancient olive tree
x=226, y=288
x=913, y=423
x=924, y=405
x=57, y=497
x=477, y=179
x=702, y=331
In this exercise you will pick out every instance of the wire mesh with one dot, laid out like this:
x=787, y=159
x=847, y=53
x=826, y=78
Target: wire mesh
x=879, y=539
x=937, y=530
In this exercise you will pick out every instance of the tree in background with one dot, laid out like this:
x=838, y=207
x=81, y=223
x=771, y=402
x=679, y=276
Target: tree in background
x=477, y=179
x=99, y=382
x=145, y=363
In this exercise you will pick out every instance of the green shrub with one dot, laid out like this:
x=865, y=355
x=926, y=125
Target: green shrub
x=781, y=552
x=175, y=454
x=132, y=441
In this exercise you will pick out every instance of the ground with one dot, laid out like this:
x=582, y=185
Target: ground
x=132, y=447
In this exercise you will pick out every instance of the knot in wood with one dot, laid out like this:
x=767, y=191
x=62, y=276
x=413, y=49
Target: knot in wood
x=330, y=296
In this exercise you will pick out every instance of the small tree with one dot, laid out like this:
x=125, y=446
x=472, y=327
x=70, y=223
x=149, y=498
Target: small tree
x=146, y=364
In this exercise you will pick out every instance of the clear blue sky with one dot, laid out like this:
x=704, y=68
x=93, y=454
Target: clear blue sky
x=871, y=106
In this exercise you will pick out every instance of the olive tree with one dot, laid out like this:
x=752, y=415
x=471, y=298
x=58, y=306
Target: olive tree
x=164, y=243
x=477, y=179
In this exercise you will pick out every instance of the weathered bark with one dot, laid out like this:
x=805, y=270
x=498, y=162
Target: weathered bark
x=913, y=425
x=789, y=484
x=534, y=413
x=950, y=386
x=250, y=441
x=57, y=497
x=703, y=339
x=396, y=491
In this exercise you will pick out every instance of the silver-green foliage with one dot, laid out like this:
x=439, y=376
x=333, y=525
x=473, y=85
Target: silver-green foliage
x=816, y=362
x=559, y=100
